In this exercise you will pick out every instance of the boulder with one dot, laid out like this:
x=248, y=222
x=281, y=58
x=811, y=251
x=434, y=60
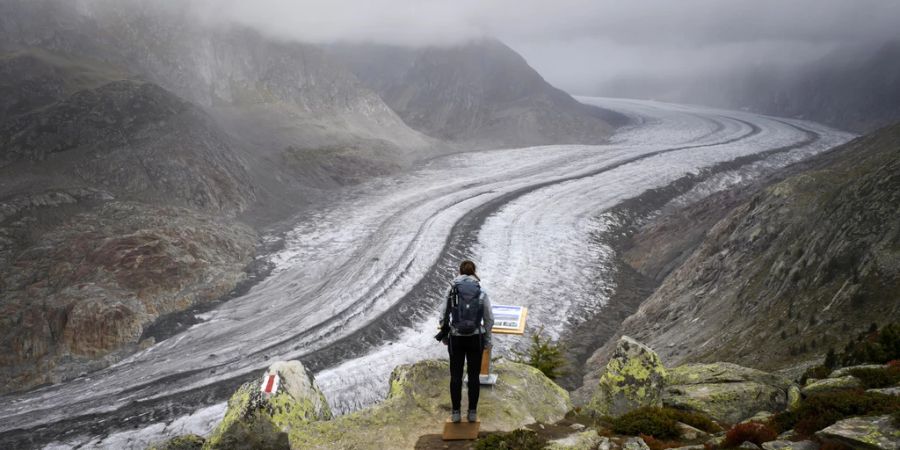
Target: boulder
x=587, y=440
x=716, y=441
x=827, y=384
x=789, y=435
x=633, y=378
x=418, y=403
x=689, y=433
x=255, y=420
x=726, y=392
x=844, y=371
x=789, y=445
x=605, y=444
x=886, y=391
x=762, y=416
x=635, y=443
x=794, y=396
x=691, y=447
x=747, y=445
x=864, y=433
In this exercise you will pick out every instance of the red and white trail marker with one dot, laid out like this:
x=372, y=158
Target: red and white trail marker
x=270, y=383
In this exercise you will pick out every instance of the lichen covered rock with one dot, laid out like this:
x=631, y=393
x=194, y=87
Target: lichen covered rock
x=418, y=403
x=689, y=433
x=587, y=440
x=794, y=397
x=633, y=378
x=827, y=384
x=844, y=371
x=726, y=392
x=264, y=421
x=635, y=443
x=865, y=433
x=895, y=391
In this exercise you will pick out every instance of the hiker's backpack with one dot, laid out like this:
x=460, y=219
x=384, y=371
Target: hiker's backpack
x=466, y=308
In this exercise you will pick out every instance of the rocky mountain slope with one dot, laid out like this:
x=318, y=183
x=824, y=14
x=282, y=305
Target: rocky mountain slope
x=479, y=93
x=787, y=274
x=300, y=121
x=113, y=192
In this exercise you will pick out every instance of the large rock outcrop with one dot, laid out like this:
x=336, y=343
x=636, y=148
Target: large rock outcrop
x=255, y=420
x=864, y=433
x=633, y=378
x=418, y=403
x=726, y=392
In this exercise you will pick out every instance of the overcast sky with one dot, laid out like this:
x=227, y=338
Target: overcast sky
x=577, y=44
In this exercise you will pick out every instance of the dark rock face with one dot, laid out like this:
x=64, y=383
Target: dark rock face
x=791, y=272
x=126, y=136
x=86, y=289
x=481, y=93
x=106, y=116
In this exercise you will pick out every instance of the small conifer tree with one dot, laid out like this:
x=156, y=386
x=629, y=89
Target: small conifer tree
x=543, y=354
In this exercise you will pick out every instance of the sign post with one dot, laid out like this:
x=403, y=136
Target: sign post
x=507, y=320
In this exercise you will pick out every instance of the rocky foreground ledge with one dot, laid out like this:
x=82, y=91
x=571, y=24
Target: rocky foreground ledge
x=417, y=404
x=635, y=386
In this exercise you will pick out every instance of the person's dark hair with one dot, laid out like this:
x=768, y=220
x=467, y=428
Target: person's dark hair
x=467, y=268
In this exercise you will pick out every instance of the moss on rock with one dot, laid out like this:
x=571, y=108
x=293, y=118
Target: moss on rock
x=259, y=421
x=829, y=384
x=418, y=403
x=586, y=440
x=727, y=392
x=633, y=378
x=875, y=433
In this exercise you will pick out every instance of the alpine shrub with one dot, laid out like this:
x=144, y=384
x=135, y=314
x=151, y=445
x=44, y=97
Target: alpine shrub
x=755, y=432
x=520, y=439
x=651, y=421
x=660, y=423
x=544, y=355
x=877, y=378
x=873, y=347
x=823, y=409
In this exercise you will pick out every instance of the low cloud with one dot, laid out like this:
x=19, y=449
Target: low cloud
x=579, y=43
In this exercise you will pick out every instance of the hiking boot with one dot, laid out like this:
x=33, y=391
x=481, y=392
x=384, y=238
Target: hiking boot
x=455, y=416
x=472, y=417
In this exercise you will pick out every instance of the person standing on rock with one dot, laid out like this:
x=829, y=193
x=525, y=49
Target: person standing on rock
x=466, y=331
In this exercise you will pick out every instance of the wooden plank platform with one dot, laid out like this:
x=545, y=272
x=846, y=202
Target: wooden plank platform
x=461, y=430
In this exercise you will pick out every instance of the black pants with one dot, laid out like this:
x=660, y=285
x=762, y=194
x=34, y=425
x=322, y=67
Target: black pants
x=465, y=349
